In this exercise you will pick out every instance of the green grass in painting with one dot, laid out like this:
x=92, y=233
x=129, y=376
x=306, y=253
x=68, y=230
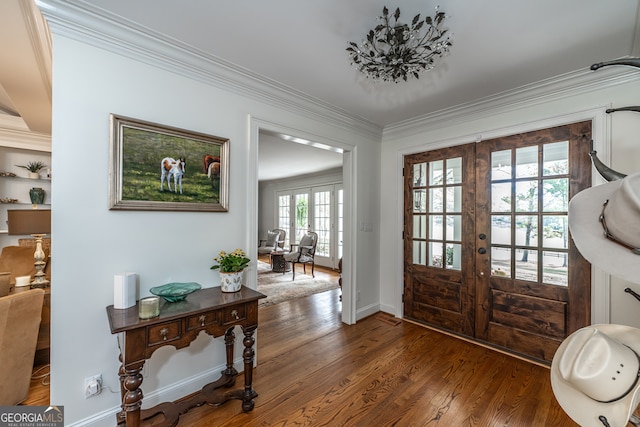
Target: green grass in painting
x=142, y=153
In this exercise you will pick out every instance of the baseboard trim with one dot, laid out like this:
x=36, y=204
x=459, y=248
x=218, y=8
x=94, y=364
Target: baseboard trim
x=169, y=393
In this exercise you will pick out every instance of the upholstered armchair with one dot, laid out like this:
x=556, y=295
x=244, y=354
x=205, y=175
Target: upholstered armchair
x=304, y=254
x=274, y=241
x=20, y=315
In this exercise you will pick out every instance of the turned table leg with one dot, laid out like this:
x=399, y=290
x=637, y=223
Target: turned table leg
x=132, y=399
x=229, y=341
x=248, y=356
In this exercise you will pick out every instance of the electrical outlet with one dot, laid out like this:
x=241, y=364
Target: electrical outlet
x=92, y=386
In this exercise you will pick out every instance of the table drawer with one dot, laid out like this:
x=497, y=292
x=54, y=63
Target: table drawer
x=234, y=314
x=202, y=320
x=163, y=333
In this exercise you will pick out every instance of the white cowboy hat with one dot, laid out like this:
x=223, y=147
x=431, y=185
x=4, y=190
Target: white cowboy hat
x=595, y=372
x=618, y=202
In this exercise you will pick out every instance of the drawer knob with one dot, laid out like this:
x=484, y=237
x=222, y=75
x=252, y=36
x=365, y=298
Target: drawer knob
x=234, y=314
x=202, y=319
x=164, y=332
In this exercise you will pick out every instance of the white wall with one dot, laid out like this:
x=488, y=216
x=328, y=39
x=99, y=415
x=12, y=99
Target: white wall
x=93, y=243
x=584, y=96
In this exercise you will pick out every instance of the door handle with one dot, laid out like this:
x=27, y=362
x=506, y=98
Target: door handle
x=482, y=251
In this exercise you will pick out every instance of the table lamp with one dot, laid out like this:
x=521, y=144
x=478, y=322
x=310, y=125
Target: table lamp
x=36, y=222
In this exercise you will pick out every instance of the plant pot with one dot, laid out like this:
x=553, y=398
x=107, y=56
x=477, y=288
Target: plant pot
x=34, y=175
x=37, y=196
x=231, y=282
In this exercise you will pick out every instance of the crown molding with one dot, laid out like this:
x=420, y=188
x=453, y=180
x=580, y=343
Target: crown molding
x=542, y=92
x=40, y=41
x=89, y=24
x=14, y=134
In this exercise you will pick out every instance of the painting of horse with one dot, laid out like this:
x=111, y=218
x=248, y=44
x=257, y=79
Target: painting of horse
x=212, y=168
x=139, y=148
x=172, y=168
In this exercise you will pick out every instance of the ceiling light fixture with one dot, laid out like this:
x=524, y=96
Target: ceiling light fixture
x=393, y=51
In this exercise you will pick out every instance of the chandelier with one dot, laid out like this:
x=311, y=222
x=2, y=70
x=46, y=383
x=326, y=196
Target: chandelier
x=395, y=51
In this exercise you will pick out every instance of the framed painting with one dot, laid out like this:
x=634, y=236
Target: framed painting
x=155, y=167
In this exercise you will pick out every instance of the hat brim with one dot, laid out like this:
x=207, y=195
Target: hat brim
x=580, y=407
x=588, y=235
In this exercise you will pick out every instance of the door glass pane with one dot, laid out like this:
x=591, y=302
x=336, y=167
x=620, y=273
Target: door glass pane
x=435, y=227
x=435, y=255
x=526, y=230
x=555, y=231
x=555, y=158
x=501, y=165
x=518, y=215
x=454, y=199
x=302, y=216
x=453, y=256
x=501, y=229
x=500, y=261
x=454, y=228
x=419, y=201
x=501, y=197
x=419, y=252
x=527, y=264
x=527, y=162
x=420, y=175
x=554, y=269
x=435, y=172
x=555, y=195
x=436, y=200
x=284, y=216
x=454, y=170
x=420, y=227
x=322, y=222
x=527, y=196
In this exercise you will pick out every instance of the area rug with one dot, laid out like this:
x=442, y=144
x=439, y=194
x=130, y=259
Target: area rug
x=279, y=287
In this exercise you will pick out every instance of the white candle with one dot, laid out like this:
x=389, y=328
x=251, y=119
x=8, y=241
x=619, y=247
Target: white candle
x=149, y=307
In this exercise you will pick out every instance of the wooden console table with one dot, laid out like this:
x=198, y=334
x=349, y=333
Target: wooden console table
x=179, y=323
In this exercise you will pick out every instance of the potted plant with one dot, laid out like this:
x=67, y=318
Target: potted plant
x=34, y=168
x=231, y=266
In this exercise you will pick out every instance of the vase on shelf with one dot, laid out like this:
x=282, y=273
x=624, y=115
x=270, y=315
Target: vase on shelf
x=231, y=282
x=37, y=195
x=34, y=175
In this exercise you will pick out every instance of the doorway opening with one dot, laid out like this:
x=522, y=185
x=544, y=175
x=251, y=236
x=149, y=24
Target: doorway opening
x=346, y=155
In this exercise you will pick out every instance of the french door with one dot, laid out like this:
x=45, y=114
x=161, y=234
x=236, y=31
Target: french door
x=318, y=209
x=488, y=253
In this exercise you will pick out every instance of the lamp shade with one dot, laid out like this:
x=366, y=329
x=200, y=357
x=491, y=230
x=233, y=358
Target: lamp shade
x=29, y=221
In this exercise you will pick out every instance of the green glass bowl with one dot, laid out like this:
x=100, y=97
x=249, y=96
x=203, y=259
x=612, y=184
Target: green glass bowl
x=174, y=292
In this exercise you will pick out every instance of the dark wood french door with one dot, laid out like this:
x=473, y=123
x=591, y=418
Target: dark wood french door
x=487, y=250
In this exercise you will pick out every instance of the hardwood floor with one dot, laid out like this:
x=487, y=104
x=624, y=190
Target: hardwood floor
x=315, y=371
x=39, y=388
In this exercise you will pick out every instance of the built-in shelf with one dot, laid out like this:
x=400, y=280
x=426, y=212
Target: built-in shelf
x=21, y=178
x=15, y=184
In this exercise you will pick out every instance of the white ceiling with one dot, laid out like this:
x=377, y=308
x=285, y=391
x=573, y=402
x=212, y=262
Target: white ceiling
x=499, y=45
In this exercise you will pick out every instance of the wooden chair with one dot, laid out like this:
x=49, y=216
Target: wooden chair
x=20, y=315
x=305, y=254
